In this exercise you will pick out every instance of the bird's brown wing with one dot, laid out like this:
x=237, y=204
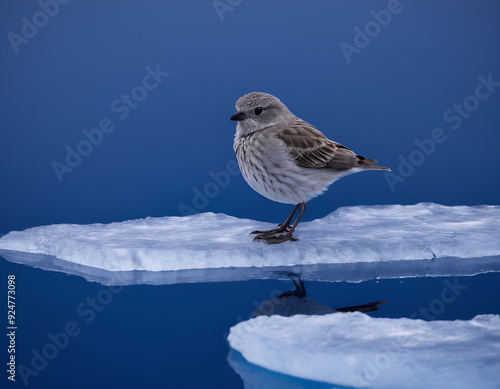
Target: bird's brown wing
x=311, y=149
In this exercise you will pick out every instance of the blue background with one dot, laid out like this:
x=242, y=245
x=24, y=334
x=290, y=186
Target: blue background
x=64, y=80
x=394, y=91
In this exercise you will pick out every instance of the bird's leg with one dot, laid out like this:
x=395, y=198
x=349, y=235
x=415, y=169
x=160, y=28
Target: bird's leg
x=281, y=227
x=274, y=238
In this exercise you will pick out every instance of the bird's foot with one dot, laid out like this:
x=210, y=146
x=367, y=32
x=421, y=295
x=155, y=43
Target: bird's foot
x=284, y=231
x=275, y=238
x=281, y=228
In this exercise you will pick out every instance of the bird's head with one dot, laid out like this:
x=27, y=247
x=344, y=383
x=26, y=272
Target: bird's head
x=257, y=111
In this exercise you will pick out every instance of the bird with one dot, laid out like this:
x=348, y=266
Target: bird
x=286, y=159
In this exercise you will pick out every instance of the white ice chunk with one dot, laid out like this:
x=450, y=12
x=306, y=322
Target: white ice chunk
x=207, y=240
x=354, y=349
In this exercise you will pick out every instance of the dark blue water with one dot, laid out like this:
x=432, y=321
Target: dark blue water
x=175, y=335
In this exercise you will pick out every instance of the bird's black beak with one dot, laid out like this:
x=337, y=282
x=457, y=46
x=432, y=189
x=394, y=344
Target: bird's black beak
x=238, y=116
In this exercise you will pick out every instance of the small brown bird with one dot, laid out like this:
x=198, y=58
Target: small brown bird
x=286, y=159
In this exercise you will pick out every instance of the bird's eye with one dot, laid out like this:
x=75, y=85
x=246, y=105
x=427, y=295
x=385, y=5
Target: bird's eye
x=258, y=110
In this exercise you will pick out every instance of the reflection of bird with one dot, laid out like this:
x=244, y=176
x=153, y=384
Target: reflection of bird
x=286, y=159
x=296, y=302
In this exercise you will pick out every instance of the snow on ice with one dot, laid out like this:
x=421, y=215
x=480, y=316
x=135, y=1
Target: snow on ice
x=396, y=239
x=356, y=350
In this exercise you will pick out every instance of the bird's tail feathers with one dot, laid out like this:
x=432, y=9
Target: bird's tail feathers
x=368, y=163
x=375, y=167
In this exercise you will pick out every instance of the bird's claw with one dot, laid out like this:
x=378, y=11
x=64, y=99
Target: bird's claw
x=275, y=231
x=276, y=238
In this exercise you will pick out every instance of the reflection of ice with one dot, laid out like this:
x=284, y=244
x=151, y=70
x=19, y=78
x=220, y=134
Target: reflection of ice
x=256, y=377
x=350, y=272
x=353, y=349
x=209, y=241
